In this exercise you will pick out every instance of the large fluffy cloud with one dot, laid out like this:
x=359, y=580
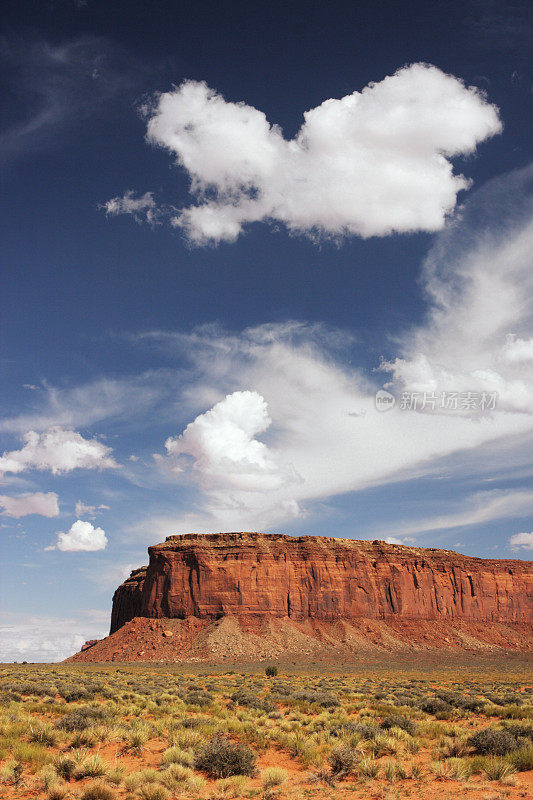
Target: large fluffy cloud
x=43, y=503
x=223, y=446
x=325, y=426
x=58, y=450
x=370, y=163
x=82, y=536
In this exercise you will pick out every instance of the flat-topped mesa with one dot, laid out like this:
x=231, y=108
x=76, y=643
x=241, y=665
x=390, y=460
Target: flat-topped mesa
x=273, y=575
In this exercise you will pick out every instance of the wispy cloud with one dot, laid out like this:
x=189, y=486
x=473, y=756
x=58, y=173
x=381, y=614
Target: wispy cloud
x=477, y=509
x=102, y=399
x=54, y=87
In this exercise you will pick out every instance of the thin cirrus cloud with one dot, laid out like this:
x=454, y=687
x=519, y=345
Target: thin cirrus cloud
x=56, y=86
x=58, y=450
x=325, y=427
x=81, y=537
x=479, y=508
x=105, y=398
x=369, y=164
x=43, y=503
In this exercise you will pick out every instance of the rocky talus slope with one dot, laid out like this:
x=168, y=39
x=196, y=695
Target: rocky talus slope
x=255, y=596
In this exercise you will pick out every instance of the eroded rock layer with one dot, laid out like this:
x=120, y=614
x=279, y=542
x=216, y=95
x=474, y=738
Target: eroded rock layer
x=322, y=579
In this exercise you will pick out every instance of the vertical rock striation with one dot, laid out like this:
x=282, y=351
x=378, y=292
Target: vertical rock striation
x=320, y=578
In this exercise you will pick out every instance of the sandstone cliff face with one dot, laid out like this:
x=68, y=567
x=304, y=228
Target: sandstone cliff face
x=127, y=600
x=325, y=579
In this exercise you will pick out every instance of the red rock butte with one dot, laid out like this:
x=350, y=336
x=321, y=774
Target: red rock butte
x=353, y=592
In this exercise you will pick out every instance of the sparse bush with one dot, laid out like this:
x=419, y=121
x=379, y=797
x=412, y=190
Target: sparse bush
x=324, y=699
x=98, y=790
x=522, y=759
x=221, y=758
x=244, y=698
x=58, y=792
x=498, y=768
x=175, y=755
x=435, y=706
x=364, y=729
x=198, y=698
x=342, y=760
x=492, y=742
x=64, y=767
x=11, y=772
x=273, y=776
x=80, y=720
x=398, y=721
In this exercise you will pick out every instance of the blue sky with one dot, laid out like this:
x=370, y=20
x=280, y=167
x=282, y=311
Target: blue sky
x=204, y=289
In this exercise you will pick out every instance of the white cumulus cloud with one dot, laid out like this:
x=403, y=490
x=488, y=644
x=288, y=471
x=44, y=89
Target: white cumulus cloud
x=223, y=446
x=368, y=164
x=82, y=536
x=43, y=503
x=522, y=541
x=58, y=450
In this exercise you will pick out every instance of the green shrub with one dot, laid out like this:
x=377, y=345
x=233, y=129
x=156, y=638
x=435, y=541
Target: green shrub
x=198, y=698
x=81, y=719
x=435, y=706
x=43, y=734
x=498, y=768
x=176, y=755
x=398, y=721
x=271, y=672
x=245, y=698
x=324, y=699
x=65, y=767
x=492, y=742
x=221, y=758
x=522, y=759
